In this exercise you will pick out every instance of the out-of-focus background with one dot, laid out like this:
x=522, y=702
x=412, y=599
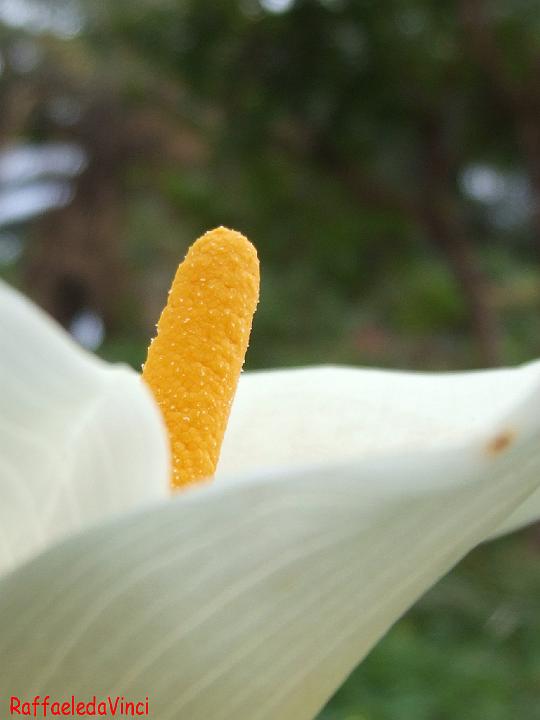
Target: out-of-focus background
x=383, y=155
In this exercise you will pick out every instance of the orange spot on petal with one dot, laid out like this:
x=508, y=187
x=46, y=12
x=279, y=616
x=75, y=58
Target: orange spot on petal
x=501, y=442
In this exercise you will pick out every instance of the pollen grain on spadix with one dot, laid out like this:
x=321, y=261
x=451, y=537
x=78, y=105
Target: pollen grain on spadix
x=194, y=362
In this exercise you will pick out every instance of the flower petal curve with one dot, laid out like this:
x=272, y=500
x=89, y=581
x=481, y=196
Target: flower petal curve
x=80, y=440
x=254, y=599
x=330, y=414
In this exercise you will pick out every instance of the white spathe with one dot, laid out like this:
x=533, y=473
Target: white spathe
x=80, y=440
x=345, y=494
x=336, y=414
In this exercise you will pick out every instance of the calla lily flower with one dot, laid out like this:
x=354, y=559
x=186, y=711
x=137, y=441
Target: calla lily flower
x=341, y=495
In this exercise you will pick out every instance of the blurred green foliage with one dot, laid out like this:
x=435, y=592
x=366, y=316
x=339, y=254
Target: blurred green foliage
x=384, y=157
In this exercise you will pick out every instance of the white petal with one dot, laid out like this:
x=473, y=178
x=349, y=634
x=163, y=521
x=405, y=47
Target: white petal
x=525, y=514
x=79, y=440
x=254, y=599
x=332, y=414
